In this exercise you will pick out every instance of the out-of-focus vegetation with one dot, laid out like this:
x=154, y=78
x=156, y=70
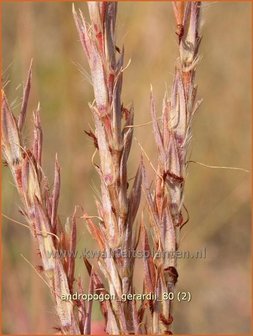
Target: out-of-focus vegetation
x=218, y=200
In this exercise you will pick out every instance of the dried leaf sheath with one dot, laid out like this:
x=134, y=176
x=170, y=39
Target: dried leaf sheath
x=118, y=207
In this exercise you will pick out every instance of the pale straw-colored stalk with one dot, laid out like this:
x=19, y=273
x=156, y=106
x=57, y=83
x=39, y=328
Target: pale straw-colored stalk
x=166, y=201
x=39, y=208
x=117, y=207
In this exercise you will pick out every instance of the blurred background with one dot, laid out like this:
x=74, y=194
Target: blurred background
x=218, y=200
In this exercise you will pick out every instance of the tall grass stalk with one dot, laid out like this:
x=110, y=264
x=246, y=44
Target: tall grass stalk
x=166, y=201
x=39, y=206
x=117, y=207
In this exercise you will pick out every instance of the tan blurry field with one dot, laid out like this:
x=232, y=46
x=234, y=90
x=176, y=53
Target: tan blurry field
x=218, y=200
